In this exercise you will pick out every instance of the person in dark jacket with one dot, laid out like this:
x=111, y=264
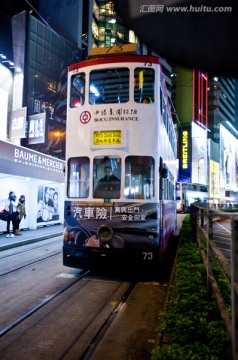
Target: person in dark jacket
x=13, y=214
x=21, y=209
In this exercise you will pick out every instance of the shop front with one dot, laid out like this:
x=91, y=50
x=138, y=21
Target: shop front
x=39, y=177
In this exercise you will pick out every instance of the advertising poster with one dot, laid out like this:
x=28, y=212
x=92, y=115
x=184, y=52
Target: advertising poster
x=199, y=155
x=133, y=224
x=228, y=160
x=214, y=180
x=47, y=204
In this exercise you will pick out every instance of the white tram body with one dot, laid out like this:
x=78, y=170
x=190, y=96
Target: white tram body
x=128, y=216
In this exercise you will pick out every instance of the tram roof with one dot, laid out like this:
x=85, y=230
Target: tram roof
x=109, y=59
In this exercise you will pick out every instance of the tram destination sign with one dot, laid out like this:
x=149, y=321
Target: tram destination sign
x=107, y=137
x=111, y=138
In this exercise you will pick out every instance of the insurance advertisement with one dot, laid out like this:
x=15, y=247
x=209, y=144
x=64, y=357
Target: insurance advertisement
x=133, y=224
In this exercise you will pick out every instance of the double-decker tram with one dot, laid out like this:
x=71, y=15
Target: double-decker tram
x=121, y=161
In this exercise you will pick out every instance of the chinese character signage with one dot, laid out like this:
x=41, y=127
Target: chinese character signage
x=37, y=124
x=18, y=123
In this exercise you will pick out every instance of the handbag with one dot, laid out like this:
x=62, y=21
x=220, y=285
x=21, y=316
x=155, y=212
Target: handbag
x=4, y=215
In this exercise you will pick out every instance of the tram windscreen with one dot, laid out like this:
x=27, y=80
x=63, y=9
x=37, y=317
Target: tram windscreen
x=107, y=177
x=109, y=86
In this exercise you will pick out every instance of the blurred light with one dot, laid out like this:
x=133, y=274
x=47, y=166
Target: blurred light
x=94, y=90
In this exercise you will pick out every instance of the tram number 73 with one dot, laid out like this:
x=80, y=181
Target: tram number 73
x=147, y=256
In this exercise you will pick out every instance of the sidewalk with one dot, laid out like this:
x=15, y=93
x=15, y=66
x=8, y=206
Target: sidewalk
x=31, y=236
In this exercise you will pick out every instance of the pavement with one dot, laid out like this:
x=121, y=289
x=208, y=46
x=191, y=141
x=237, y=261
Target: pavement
x=30, y=236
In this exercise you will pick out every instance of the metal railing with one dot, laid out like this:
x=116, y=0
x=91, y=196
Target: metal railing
x=202, y=221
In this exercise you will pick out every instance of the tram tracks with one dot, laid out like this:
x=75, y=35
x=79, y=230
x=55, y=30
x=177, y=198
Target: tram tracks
x=90, y=350
x=31, y=263
x=90, y=328
x=39, y=306
x=11, y=257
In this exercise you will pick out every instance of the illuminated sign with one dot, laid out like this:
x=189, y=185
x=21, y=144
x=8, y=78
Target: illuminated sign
x=37, y=124
x=185, y=150
x=112, y=137
x=18, y=123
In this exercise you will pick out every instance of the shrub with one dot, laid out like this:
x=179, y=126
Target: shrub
x=192, y=323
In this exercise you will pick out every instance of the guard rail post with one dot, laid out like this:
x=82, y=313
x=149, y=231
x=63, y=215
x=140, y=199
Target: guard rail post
x=209, y=257
x=234, y=280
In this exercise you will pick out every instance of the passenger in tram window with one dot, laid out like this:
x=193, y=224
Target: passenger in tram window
x=108, y=175
x=147, y=100
x=130, y=195
x=109, y=182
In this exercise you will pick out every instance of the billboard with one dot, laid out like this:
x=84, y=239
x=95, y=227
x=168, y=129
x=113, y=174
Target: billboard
x=228, y=160
x=21, y=161
x=214, y=185
x=199, y=155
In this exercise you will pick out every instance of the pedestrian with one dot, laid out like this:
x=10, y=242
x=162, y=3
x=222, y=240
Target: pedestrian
x=21, y=209
x=13, y=215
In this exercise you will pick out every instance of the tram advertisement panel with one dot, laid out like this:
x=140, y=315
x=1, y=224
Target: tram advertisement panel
x=168, y=221
x=114, y=225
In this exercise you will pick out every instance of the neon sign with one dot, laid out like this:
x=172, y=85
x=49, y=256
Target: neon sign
x=185, y=149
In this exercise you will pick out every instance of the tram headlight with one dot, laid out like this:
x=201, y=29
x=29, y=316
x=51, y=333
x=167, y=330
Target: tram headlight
x=105, y=234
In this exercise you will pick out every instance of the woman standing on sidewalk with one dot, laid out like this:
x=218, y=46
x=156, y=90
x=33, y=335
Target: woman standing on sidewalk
x=21, y=209
x=13, y=215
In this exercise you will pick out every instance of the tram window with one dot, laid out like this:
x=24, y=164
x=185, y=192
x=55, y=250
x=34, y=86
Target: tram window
x=78, y=177
x=144, y=81
x=107, y=177
x=77, y=95
x=139, y=177
x=109, y=86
